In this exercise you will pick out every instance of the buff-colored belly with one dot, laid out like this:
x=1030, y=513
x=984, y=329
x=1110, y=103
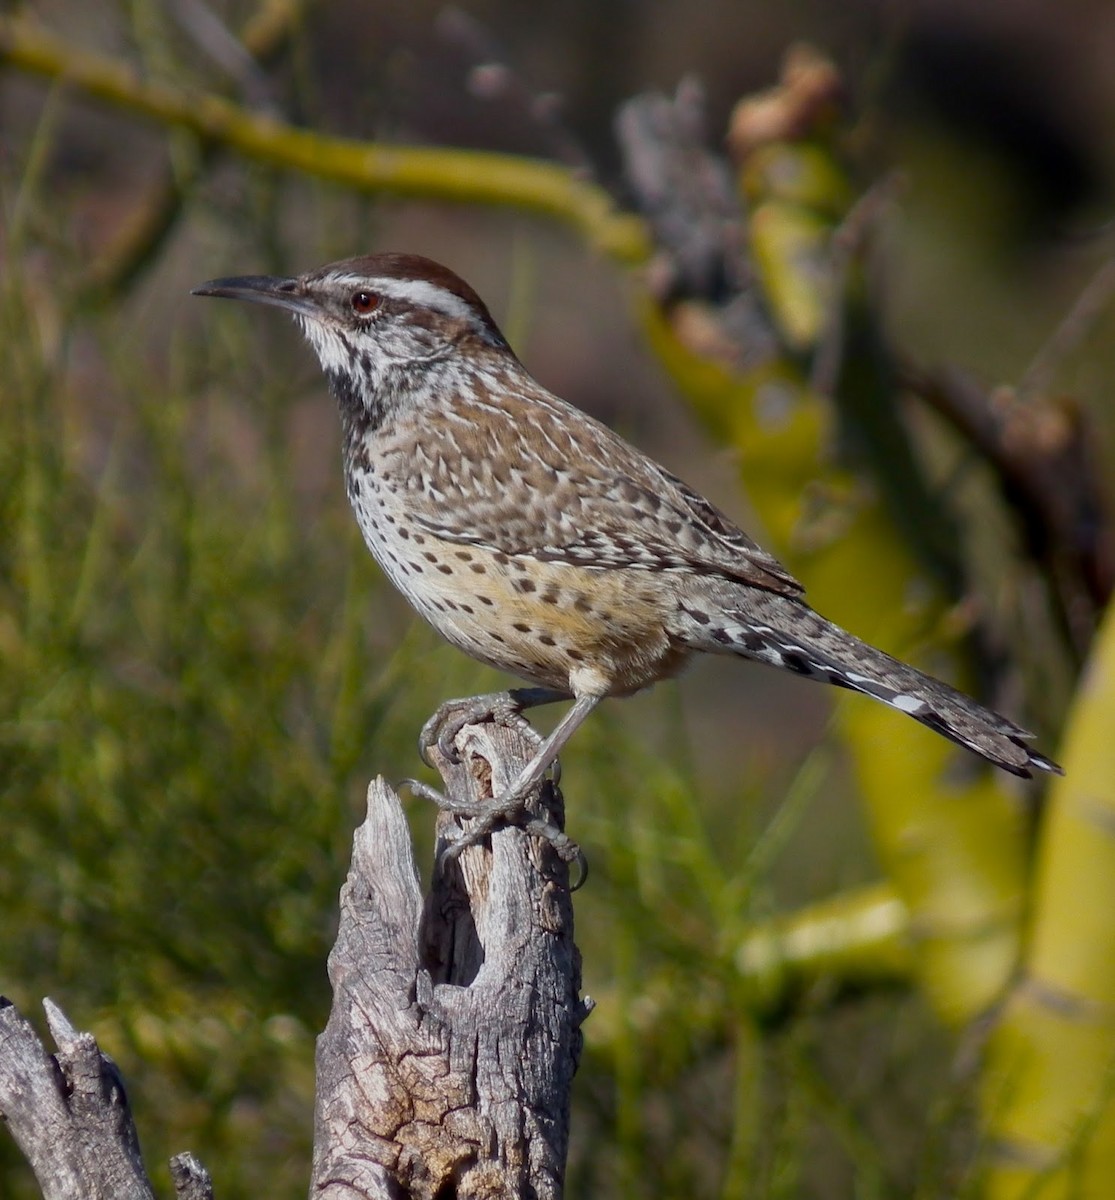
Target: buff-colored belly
x=598, y=631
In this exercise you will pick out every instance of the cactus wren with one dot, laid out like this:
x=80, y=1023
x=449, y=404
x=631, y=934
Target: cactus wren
x=537, y=540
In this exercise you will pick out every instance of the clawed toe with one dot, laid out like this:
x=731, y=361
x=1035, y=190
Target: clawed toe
x=423, y=791
x=447, y=738
x=481, y=828
x=564, y=847
x=441, y=731
x=505, y=708
x=486, y=817
x=444, y=727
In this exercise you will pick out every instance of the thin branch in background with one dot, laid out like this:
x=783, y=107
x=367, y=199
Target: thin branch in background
x=852, y=940
x=155, y=215
x=849, y=241
x=492, y=79
x=213, y=37
x=437, y=173
x=1043, y=455
x=1073, y=328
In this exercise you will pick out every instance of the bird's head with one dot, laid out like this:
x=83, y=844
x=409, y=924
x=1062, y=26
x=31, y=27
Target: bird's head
x=378, y=323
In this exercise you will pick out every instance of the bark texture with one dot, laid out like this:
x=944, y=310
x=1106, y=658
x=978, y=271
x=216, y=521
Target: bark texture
x=68, y=1113
x=446, y=1066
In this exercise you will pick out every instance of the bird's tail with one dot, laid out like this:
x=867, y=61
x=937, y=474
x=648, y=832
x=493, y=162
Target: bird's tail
x=784, y=632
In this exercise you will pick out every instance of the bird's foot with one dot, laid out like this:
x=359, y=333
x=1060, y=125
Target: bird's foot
x=504, y=708
x=508, y=809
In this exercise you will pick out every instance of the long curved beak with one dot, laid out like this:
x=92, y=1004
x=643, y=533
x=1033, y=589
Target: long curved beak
x=262, y=289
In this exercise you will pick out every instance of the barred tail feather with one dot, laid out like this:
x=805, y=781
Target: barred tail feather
x=953, y=715
x=785, y=633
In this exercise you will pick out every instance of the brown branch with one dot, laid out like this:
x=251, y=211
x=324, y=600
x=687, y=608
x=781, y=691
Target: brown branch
x=1043, y=453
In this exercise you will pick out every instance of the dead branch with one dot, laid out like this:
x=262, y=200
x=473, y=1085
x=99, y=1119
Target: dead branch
x=68, y=1111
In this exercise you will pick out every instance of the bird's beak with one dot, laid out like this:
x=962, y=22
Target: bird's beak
x=263, y=289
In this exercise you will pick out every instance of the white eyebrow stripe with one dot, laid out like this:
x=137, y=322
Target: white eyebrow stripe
x=419, y=292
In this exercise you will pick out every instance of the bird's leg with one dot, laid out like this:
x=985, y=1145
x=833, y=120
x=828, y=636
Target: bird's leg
x=505, y=708
x=509, y=803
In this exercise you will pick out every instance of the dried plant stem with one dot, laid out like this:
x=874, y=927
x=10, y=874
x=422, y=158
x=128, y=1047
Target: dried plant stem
x=462, y=176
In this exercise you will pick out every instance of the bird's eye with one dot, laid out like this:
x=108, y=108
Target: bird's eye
x=364, y=303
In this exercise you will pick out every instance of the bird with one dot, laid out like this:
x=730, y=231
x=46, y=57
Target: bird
x=537, y=540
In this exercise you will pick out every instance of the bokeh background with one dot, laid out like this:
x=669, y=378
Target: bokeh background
x=201, y=667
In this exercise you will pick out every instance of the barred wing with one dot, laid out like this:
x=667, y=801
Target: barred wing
x=528, y=474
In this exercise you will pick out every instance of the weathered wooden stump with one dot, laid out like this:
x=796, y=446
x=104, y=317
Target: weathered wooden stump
x=446, y=1065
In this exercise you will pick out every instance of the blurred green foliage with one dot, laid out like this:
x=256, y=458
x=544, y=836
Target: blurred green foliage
x=202, y=669
x=199, y=670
